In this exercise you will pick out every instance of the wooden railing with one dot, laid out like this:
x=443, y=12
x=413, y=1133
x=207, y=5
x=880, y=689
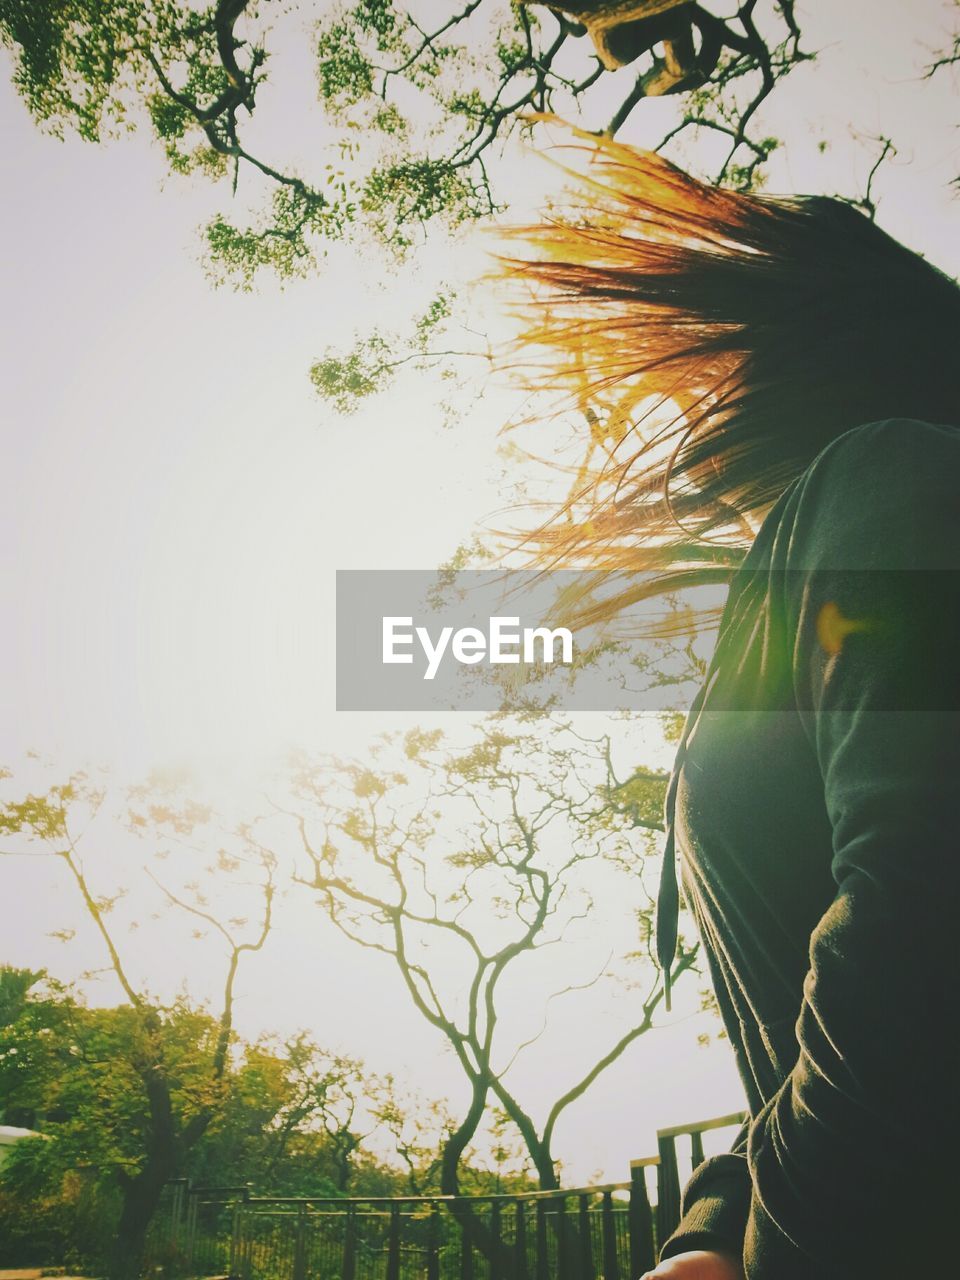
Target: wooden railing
x=609, y=1232
x=669, y=1183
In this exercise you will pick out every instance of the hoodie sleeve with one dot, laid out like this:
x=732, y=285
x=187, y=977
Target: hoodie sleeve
x=864, y=1121
x=716, y=1202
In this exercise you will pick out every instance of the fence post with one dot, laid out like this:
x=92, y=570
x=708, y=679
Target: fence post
x=543, y=1244
x=466, y=1246
x=696, y=1148
x=642, y=1248
x=433, y=1243
x=300, y=1247
x=235, y=1238
x=350, y=1244
x=245, y=1242
x=611, y=1264
x=521, y=1269
x=496, y=1249
x=563, y=1261
x=180, y=1188
x=192, y=1211
x=393, y=1248
x=668, y=1187
x=583, y=1229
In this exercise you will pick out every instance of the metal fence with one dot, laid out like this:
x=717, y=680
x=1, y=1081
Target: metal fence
x=593, y=1233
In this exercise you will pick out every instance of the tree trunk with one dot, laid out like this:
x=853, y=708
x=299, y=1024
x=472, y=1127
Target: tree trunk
x=475, y=1232
x=141, y=1196
x=459, y=1140
x=543, y=1162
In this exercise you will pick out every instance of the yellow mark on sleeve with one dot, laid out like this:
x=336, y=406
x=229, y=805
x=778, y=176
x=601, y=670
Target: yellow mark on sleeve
x=833, y=627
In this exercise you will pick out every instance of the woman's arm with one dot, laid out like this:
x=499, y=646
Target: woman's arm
x=716, y=1202
x=847, y=1157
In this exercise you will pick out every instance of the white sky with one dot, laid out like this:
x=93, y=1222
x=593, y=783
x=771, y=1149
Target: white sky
x=177, y=500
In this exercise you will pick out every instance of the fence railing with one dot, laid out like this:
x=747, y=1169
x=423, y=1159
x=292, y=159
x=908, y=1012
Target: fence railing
x=609, y=1232
x=667, y=1164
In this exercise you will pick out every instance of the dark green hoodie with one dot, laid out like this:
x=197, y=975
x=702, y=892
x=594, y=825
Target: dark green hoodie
x=816, y=812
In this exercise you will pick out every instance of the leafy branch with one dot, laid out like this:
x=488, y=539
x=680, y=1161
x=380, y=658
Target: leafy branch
x=432, y=104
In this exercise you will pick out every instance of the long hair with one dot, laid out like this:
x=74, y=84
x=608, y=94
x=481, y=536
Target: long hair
x=713, y=342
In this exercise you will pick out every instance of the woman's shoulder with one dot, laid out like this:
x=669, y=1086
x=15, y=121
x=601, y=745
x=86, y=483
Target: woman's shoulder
x=883, y=495
x=898, y=449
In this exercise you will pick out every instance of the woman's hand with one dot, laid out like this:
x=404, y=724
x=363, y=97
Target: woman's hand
x=698, y=1264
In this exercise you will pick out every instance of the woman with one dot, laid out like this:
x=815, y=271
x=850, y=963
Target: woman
x=812, y=458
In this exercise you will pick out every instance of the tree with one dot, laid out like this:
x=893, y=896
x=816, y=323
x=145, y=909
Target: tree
x=416, y=1131
x=55, y=1206
x=181, y=1082
x=293, y=1119
x=74, y=1072
x=294, y=1122
x=459, y=864
x=414, y=111
x=430, y=97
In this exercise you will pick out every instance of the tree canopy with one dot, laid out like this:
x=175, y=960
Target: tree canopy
x=332, y=122
x=463, y=864
x=291, y=1119
x=178, y=1070
x=411, y=105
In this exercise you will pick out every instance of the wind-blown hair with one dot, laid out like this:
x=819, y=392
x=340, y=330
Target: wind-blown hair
x=714, y=342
